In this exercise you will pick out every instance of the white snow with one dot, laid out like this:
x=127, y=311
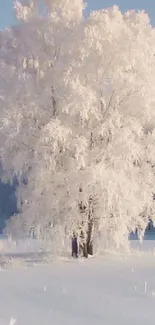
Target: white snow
x=108, y=290
x=21, y=246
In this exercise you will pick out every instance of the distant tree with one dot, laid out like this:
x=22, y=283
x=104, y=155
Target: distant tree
x=77, y=118
x=8, y=200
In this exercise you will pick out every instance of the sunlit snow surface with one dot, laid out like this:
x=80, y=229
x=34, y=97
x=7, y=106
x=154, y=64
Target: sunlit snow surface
x=107, y=290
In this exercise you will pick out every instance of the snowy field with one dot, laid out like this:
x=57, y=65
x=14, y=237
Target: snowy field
x=110, y=290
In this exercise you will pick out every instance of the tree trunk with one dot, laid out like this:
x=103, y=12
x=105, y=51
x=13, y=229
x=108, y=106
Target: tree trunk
x=90, y=227
x=89, y=237
x=83, y=244
x=90, y=249
x=86, y=235
x=85, y=252
x=75, y=250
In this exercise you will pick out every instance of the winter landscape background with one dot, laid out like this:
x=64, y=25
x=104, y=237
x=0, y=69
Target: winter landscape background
x=114, y=288
x=77, y=162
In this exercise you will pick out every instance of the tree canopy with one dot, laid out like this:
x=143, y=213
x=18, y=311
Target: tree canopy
x=78, y=120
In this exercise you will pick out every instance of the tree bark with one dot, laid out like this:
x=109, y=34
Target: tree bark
x=75, y=250
x=90, y=227
x=86, y=237
x=89, y=237
x=85, y=252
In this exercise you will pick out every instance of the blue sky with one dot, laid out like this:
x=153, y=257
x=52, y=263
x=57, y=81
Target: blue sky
x=7, y=16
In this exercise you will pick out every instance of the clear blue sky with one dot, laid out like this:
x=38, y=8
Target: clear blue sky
x=7, y=16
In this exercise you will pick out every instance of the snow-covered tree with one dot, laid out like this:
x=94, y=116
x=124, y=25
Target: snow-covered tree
x=77, y=120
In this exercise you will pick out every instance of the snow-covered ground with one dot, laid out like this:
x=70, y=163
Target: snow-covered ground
x=108, y=290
